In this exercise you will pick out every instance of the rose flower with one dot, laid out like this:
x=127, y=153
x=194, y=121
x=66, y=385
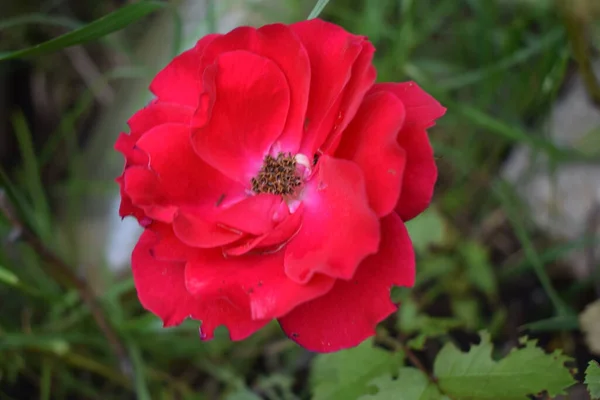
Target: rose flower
x=273, y=178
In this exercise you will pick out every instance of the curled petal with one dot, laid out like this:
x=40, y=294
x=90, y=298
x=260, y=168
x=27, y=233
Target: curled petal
x=420, y=173
x=242, y=113
x=195, y=231
x=273, y=240
x=256, y=215
x=349, y=313
x=257, y=280
x=339, y=229
x=361, y=80
x=333, y=52
x=370, y=141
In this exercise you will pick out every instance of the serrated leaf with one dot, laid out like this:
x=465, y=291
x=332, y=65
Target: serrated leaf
x=345, y=375
x=476, y=375
x=592, y=379
x=112, y=22
x=411, y=384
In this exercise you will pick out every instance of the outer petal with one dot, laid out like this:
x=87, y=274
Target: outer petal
x=142, y=187
x=339, y=229
x=421, y=108
x=349, y=313
x=158, y=113
x=362, y=79
x=243, y=112
x=332, y=52
x=278, y=43
x=180, y=81
x=147, y=118
x=421, y=171
x=370, y=141
x=250, y=279
x=126, y=208
x=161, y=289
x=167, y=246
x=181, y=177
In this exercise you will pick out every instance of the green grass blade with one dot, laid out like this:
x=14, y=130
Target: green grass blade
x=519, y=57
x=317, y=9
x=112, y=22
x=141, y=386
x=46, y=379
x=503, y=192
x=39, y=19
x=33, y=180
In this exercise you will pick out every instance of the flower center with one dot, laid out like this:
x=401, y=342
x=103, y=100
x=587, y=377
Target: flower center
x=277, y=175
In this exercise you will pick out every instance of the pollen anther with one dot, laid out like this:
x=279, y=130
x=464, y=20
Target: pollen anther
x=277, y=176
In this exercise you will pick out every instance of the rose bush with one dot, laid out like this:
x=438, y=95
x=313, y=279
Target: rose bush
x=273, y=178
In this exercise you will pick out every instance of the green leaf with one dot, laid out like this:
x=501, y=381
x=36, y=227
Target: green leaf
x=426, y=229
x=243, y=394
x=411, y=384
x=110, y=23
x=430, y=327
x=345, y=375
x=592, y=379
x=479, y=269
x=524, y=371
x=553, y=324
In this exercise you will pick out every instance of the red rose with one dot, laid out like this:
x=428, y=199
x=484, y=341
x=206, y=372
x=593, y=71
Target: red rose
x=272, y=177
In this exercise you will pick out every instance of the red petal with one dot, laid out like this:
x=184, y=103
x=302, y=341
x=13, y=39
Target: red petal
x=161, y=289
x=349, y=313
x=420, y=173
x=158, y=113
x=181, y=177
x=421, y=108
x=273, y=240
x=126, y=208
x=141, y=186
x=125, y=144
x=257, y=280
x=339, y=229
x=248, y=104
x=370, y=141
x=168, y=247
x=280, y=44
x=362, y=79
x=180, y=81
x=255, y=215
x=195, y=231
x=332, y=52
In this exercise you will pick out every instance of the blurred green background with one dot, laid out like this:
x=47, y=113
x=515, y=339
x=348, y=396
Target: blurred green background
x=486, y=259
